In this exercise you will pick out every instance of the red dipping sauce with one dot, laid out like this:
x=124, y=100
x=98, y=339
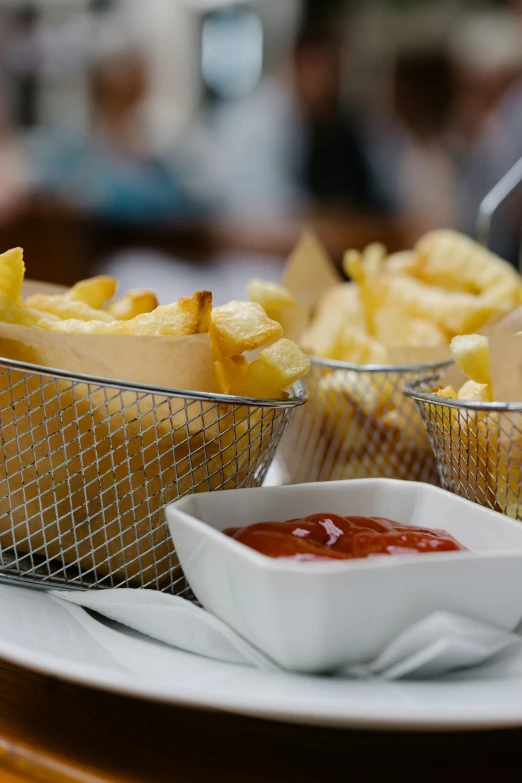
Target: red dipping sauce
x=332, y=537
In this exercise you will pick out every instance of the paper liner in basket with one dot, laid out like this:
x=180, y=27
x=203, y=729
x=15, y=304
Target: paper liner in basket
x=87, y=469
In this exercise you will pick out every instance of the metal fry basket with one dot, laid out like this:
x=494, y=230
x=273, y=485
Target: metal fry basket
x=87, y=466
x=358, y=424
x=477, y=446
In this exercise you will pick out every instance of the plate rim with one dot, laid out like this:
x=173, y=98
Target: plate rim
x=129, y=685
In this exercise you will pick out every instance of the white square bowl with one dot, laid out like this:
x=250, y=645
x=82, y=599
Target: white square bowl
x=318, y=617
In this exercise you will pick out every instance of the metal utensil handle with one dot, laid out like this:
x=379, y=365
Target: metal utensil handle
x=492, y=201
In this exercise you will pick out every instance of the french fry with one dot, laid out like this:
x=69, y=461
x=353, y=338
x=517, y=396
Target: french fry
x=372, y=397
x=133, y=303
x=188, y=315
x=12, y=271
x=394, y=327
x=475, y=392
x=279, y=366
x=454, y=312
x=356, y=346
x=403, y=262
x=241, y=326
x=227, y=372
x=272, y=297
x=455, y=262
x=448, y=392
x=339, y=307
x=471, y=353
x=366, y=270
x=94, y=291
x=64, y=308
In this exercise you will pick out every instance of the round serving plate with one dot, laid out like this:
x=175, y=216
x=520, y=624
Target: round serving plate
x=64, y=641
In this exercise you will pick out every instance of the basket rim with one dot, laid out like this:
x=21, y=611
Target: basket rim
x=334, y=364
x=299, y=393
x=411, y=390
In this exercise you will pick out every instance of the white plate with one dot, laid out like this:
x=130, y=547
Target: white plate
x=64, y=641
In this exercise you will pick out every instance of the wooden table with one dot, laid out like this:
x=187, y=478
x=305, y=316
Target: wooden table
x=59, y=733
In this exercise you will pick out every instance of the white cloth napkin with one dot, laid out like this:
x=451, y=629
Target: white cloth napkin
x=437, y=645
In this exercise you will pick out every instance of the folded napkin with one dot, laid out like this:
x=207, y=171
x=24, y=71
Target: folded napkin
x=437, y=645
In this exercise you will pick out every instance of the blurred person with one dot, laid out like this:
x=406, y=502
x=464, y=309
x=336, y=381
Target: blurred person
x=487, y=129
x=292, y=149
x=112, y=172
x=14, y=170
x=14, y=174
x=336, y=168
x=409, y=137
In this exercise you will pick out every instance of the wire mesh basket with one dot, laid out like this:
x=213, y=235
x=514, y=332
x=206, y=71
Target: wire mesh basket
x=477, y=446
x=358, y=424
x=87, y=466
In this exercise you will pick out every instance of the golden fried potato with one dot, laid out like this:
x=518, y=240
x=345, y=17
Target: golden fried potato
x=362, y=416
x=373, y=258
x=424, y=332
x=353, y=265
x=455, y=262
x=241, y=326
x=93, y=292
x=227, y=372
x=402, y=434
x=65, y=308
x=279, y=366
x=366, y=269
x=475, y=392
x=447, y=391
x=356, y=346
x=13, y=313
x=133, y=303
x=272, y=297
x=359, y=266
x=403, y=262
x=471, y=353
x=505, y=464
x=339, y=307
x=394, y=327
x=12, y=271
x=373, y=396
x=453, y=311
x=189, y=315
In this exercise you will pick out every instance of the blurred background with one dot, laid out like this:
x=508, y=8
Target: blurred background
x=186, y=143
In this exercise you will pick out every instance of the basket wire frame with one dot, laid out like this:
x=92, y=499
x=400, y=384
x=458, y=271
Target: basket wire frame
x=87, y=466
x=477, y=446
x=358, y=424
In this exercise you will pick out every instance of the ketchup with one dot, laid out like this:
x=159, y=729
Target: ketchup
x=333, y=537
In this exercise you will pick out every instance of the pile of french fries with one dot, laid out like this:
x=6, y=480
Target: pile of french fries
x=235, y=328
x=447, y=285
x=87, y=481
